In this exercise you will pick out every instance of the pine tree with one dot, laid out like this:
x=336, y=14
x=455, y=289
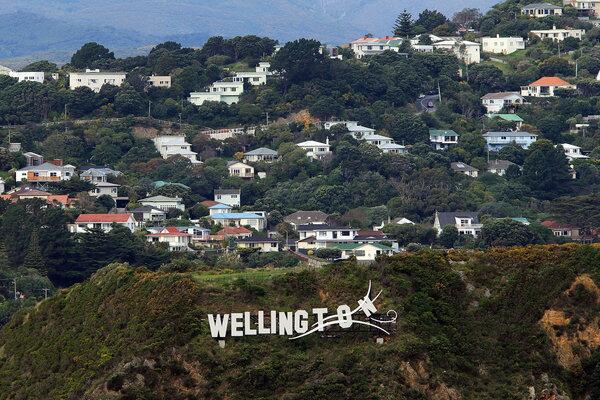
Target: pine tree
x=404, y=24
x=33, y=258
x=4, y=263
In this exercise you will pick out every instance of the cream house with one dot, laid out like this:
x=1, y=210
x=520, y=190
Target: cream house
x=171, y=145
x=586, y=7
x=240, y=169
x=262, y=244
x=494, y=102
x=176, y=239
x=546, y=87
x=541, y=10
x=164, y=203
x=105, y=189
x=95, y=79
x=468, y=52
x=558, y=35
x=502, y=45
x=160, y=81
x=226, y=91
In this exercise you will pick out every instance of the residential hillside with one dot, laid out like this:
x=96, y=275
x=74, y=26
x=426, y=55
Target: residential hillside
x=511, y=324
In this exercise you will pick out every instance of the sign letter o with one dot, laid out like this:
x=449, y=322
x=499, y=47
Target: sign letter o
x=344, y=316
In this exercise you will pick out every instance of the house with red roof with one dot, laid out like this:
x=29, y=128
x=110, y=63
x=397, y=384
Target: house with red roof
x=177, y=239
x=105, y=222
x=560, y=229
x=545, y=87
x=236, y=232
x=25, y=193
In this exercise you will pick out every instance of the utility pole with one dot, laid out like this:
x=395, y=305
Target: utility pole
x=267, y=115
x=15, y=287
x=149, y=108
x=439, y=92
x=65, y=110
x=576, y=68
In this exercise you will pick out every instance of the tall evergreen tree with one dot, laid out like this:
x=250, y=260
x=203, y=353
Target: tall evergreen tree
x=4, y=262
x=404, y=24
x=546, y=170
x=33, y=257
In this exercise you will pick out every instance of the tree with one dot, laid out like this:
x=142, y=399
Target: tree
x=300, y=60
x=506, y=232
x=90, y=54
x=328, y=254
x=546, y=170
x=404, y=25
x=430, y=19
x=556, y=66
x=485, y=77
x=129, y=102
x=466, y=17
x=33, y=258
x=449, y=236
x=43, y=65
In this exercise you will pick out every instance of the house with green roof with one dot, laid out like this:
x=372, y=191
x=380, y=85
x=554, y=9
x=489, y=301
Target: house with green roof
x=442, y=139
x=363, y=251
x=514, y=118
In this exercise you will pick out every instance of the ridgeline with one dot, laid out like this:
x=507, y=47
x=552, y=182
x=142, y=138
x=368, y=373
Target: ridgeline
x=501, y=324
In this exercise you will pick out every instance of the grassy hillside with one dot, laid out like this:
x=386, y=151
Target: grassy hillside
x=472, y=326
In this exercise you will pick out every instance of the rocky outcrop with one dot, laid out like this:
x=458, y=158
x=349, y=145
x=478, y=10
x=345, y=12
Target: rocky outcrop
x=418, y=378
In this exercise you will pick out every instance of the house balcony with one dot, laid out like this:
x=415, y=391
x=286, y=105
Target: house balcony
x=31, y=177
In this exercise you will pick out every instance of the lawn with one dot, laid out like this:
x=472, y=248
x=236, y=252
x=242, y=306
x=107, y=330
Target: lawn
x=254, y=275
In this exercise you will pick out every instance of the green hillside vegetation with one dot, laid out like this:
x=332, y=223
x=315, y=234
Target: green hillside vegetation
x=468, y=326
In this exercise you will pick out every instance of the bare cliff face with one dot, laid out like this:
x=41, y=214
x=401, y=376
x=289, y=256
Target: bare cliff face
x=572, y=324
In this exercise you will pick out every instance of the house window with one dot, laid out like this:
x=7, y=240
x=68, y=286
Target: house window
x=359, y=253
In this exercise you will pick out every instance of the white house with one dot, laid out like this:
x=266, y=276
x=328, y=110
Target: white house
x=494, y=102
x=230, y=197
x=468, y=52
x=393, y=148
x=105, y=188
x=315, y=150
x=541, y=10
x=160, y=81
x=545, y=87
x=495, y=141
x=172, y=145
x=502, y=45
x=28, y=76
x=558, y=35
x=240, y=169
x=227, y=91
x=149, y=214
x=45, y=173
x=262, y=244
x=261, y=154
x=320, y=236
x=357, y=131
x=219, y=208
x=442, y=139
x=5, y=70
x=95, y=79
x=572, y=152
x=103, y=221
x=256, y=221
x=465, y=169
x=363, y=251
x=466, y=222
x=164, y=203
x=176, y=239
x=370, y=46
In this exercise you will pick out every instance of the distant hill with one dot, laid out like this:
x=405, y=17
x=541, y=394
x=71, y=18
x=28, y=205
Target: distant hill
x=480, y=325
x=59, y=25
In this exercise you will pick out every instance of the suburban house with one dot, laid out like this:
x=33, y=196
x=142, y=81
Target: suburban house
x=261, y=154
x=319, y=236
x=442, y=139
x=24, y=193
x=495, y=141
x=315, y=150
x=149, y=214
x=176, y=239
x=219, y=208
x=160, y=81
x=95, y=79
x=465, y=169
x=105, y=188
x=226, y=91
x=367, y=236
x=590, y=8
x=236, y=232
x=353, y=127
x=240, y=169
x=33, y=159
x=99, y=174
x=230, y=197
x=306, y=217
x=163, y=203
x=512, y=118
x=44, y=173
x=558, y=35
x=255, y=78
x=572, y=152
x=256, y=221
x=171, y=145
x=103, y=221
x=263, y=244
x=28, y=76
x=499, y=167
x=4, y=70
x=495, y=102
x=563, y=230
x=540, y=10
x=393, y=148
x=502, y=45
x=545, y=87
x=466, y=222
x=363, y=251
x=468, y=52
x=370, y=46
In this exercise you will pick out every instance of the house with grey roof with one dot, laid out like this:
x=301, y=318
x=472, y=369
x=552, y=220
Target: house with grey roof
x=98, y=174
x=105, y=189
x=149, y=214
x=499, y=167
x=164, y=203
x=306, y=217
x=261, y=154
x=231, y=197
x=494, y=102
x=463, y=168
x=541, y=10
x=466, y=222
x=45, y=173
x=495, y=141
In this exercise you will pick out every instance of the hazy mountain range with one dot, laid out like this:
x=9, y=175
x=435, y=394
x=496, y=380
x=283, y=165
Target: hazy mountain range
x=54, y=28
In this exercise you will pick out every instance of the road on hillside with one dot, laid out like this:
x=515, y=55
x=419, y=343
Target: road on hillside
x=423, y=103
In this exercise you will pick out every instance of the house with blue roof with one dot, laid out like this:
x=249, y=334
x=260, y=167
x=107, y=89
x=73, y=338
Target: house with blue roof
x=219, y=208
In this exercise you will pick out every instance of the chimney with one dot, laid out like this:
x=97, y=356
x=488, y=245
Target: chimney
x=498, y=35
x=327, y=140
